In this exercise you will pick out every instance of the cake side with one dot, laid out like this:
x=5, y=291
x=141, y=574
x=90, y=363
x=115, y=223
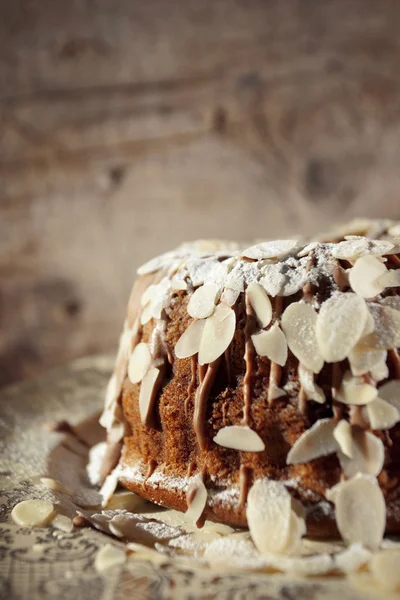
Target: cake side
x=278, y=362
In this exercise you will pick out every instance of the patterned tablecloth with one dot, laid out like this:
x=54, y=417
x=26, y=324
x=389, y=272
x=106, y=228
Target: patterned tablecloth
x=46, y=563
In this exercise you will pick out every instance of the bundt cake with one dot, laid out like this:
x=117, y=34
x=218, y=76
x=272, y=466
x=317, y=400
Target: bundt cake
x=277, y=362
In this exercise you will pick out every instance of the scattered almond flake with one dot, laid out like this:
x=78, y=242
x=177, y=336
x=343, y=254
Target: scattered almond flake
x=298, y=324
x=340, y=324
x=352, y=559
x=360, y=511
x=147, y=295
x=390, y=392
x=125, y=500
x=239, y=437
x=275, y=392
x=387, y=328
x=148, y=388
x=313, y=443
x=272, y=343
x=116, y=432
x=344, y=437
x=56, y=486
x=311, y=389
x=389, y=279
x=202, y=301
x=382, y=415
x=285, y=278
x=196, y=497
x=244, y=272
x=93, y=467
x=109, y=556
x=62, y=522
x=146, y=314
x=365, y=276
x=394, y=230
x=189, y=342
x=391, y=301
x=32, y=513
x=354, y=248
x=278, y=249
x=274, y=525
x=113, y=391
x=273, y=280
x=109, y=486
x=297, y=527
x=385, y=569
x=139, y=362
x=363, y=359
x=355, y=391
x=178, y=281
x=368, y=454
x=229, y=296
x=218, y=333
x=260, y=303
x=161, y=298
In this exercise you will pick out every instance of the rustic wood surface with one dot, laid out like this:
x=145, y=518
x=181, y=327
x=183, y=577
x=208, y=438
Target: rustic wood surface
x=127, y=126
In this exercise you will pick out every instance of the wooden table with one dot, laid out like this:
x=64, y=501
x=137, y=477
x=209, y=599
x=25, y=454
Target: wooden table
x=127, y=126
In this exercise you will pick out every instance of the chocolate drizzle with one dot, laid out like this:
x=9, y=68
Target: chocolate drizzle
x=394, y=362
x=200, y=404
x=275, y=373
x=302, y=400
x=192, y=383
x=337, y=375
x=249, y=360
x=357, y=418
x=244, y=473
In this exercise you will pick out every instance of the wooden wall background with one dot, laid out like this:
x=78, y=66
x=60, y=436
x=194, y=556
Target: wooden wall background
x=127, y=126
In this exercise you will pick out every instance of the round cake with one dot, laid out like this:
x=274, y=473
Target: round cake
x=275, y=362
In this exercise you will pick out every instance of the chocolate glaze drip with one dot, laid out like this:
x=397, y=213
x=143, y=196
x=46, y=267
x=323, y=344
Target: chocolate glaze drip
x=249, y=360
x=394, y=259
x=202, y=372
x=337, y=407
x=192, y=383
x=190, y=469
x=394, y=362
x=357, y=417
x=275, y=373
x=244, y=484
x=227, y=357
x=339, y=277
x=308, y=287
x=200, y=404
x=302, y=400
x=150, y=469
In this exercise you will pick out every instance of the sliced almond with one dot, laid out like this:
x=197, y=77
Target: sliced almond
x=147, y=295
x=229, y=296
x=196, y=497
x=109, y=486
x=275, y=392
x=260, y=303
x=368, y=454
x=32, y=513
x=365, y=276
x=218, y=333
x=274, y=525
x=125, y=500
x=340, y=324
x=55, y=485
x=109, y=556
x=147, y=314
x=360, y=511
x=355, y=391
x=272, y=343
x=139, y=362
x=382, y=415
x=148, y=391
x=277, y=249
x=363, y=359
x=274, y=280
x=189, y=342
x=380, y=371
x=311, y=389
x=63, y=523
x=387, y=328
x=299, y=326
x=389, y=279
x=344, y=437
x=385, y=570
x=354, y=248
x=202, y=301
x=239, y=437
x=313, y=443
x=390, y=392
